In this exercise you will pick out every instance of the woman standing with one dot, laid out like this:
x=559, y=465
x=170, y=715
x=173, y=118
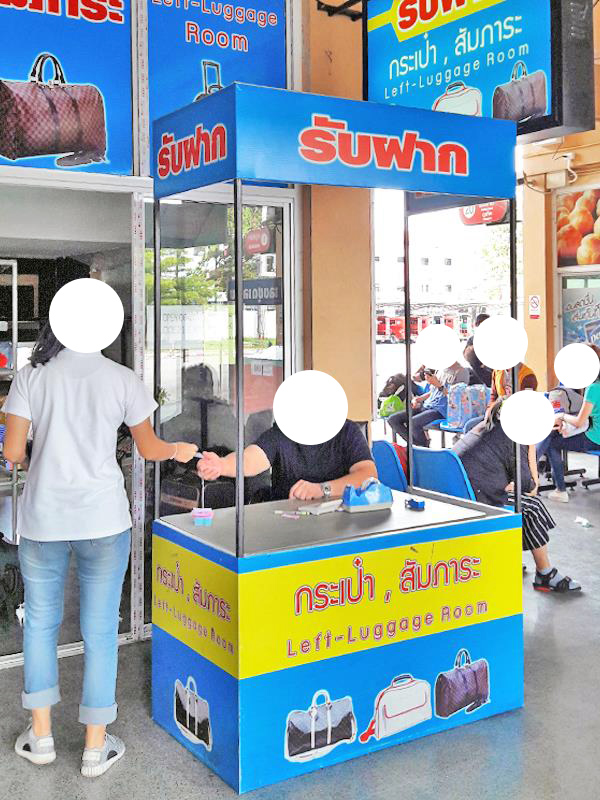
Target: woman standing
x=74, y=502
x=487, y=455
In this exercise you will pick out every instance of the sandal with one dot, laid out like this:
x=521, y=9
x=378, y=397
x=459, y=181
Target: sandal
x=542, y=583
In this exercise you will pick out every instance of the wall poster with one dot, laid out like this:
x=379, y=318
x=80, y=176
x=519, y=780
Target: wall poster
x=65, y=85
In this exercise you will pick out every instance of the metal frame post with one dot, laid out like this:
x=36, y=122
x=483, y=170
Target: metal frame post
x=513, y=312
x=157, y=344
x=239, y=366
x=409, y=414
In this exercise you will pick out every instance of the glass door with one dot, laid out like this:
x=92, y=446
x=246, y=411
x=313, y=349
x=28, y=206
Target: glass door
x=197, y=392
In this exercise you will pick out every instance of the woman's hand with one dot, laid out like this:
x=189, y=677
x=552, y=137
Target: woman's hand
x=535, y=491
x=304, y=490
x=184, y=452
x=210, y=466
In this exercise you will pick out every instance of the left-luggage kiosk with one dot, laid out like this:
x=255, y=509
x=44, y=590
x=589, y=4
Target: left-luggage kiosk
x=282, y=645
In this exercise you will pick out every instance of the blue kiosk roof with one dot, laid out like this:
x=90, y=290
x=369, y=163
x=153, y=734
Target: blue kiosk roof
x=278, y=136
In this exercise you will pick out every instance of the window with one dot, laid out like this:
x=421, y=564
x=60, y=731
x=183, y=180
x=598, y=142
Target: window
x=447, y=262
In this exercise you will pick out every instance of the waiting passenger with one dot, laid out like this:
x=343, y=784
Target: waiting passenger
x=566, y=437
x=487, y=455
x=430, y=406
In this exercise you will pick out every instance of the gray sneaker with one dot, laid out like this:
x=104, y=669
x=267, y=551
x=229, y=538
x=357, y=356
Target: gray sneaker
x=96, y=761
x=37, y=749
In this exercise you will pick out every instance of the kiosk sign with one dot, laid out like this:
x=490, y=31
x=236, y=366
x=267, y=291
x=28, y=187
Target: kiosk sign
x=488, y=58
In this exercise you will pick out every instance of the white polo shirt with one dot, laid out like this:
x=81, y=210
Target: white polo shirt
x=76, y=403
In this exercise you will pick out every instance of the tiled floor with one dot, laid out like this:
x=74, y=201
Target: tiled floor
x=547, y=751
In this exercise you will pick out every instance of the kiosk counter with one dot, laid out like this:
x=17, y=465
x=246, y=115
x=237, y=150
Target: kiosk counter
x=335, y=635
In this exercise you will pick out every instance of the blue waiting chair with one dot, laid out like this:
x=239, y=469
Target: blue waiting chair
x=388, y=466
x=441, y=471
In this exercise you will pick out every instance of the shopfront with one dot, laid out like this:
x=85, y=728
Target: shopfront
x=76, y=201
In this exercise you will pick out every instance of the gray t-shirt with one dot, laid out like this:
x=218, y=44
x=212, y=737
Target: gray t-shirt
x=76, y=403
x=447, y=377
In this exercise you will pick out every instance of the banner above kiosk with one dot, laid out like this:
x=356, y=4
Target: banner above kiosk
x=277, y=136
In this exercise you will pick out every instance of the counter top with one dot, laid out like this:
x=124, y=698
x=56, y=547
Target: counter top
x=267, y=532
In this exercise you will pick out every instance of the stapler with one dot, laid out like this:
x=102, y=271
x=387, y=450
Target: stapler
x=414, y=504
x=372, y=496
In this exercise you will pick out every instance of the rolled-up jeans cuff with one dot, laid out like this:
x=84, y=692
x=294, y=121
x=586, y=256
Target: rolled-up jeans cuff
x=97, y=716
x=43, y=699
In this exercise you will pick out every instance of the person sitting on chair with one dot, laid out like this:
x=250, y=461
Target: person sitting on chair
x=300, y=471
x=487, y=454
x=429, y=406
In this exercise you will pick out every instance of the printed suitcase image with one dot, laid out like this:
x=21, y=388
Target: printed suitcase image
x=460, y=99
x=192, y=714
x=465, y=687
x=317, y=731
x=404, y=703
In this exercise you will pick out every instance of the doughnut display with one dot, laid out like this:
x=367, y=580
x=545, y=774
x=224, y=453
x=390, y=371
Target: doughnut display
x=578, y=228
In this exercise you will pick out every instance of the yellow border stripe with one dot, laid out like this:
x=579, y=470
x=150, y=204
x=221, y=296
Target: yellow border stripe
x=441, y=19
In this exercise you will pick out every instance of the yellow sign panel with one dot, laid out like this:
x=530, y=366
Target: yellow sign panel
x=413, y=17
x=304, y=613
x=195, y=601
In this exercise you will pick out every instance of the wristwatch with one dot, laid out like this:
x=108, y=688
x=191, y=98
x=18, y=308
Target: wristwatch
x=326, y=489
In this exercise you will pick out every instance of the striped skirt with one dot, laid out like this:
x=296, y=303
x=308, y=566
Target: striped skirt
x=536, y=521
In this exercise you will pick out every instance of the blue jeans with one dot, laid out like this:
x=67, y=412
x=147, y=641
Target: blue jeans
x=554, y=445
x=101, y=566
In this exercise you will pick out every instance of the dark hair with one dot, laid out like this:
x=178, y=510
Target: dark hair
x=481, y=318
x=46, y=347
x=596, y=350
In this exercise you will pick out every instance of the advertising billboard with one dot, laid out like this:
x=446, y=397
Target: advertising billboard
x=529, y=61
x=65, y=85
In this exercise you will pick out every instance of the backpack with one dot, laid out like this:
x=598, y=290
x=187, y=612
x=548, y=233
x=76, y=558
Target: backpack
x=566, y=400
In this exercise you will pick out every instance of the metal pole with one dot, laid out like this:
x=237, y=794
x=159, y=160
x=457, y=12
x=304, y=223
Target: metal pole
x=15, y=348
x=157, y=347
x=409, y=444
x=513, y=313
x=239, y=367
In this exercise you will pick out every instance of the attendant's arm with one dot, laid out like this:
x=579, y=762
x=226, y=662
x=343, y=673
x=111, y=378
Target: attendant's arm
x=211, y=466
x=359, y=472
x=152, y=448
x=15, y=438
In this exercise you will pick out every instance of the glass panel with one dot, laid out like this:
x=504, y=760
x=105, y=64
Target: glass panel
x=198, y=342
x=76, y=234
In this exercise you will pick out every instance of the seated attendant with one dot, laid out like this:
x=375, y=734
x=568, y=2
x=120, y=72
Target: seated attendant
x=300, y=471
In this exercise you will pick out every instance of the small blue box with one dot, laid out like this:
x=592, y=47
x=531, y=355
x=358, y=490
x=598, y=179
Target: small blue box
x=415, y=505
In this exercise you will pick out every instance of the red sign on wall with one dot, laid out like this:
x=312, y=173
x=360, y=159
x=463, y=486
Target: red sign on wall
x=257, y=241
x=485, y=213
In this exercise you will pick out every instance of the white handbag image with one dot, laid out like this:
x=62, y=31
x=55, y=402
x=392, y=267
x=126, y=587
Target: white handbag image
x=192, y=714
x=460, y=99
x=404, y=703
x=318, y=730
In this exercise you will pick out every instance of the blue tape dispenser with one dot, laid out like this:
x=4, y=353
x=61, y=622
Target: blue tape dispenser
x=372, y=496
